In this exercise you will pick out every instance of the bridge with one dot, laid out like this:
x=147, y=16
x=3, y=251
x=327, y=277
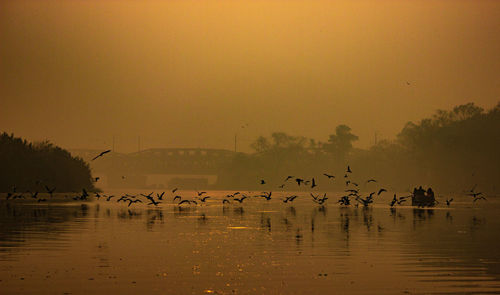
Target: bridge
x=158, y=166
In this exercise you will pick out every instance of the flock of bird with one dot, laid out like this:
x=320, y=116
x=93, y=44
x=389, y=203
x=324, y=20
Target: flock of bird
x=352, y=195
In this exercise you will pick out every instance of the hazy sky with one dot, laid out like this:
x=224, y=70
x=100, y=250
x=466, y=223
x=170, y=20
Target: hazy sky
x=191, y=73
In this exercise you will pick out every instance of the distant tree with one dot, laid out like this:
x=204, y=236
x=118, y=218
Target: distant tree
x=340, y=144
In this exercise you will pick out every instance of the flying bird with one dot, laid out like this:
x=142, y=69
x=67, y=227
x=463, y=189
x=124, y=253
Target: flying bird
x=328, y=175
x=313, y=183
x=288, y=177
x=101, y=154
x=381, y=191
x=371, y=180
x=262, y=181
x=348, y=169
x=299, y=180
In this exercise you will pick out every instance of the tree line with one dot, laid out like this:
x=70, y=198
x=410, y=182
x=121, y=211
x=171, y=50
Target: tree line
x=451, y=150
x=32, y=166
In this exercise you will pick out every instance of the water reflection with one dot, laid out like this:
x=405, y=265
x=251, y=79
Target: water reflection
x=431, y=250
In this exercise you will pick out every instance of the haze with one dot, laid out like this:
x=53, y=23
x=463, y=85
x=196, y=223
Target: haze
x=193, y=73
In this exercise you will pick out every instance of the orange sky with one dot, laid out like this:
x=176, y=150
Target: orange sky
x=190, y=73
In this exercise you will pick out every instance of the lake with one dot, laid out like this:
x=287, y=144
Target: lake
x=256, y=247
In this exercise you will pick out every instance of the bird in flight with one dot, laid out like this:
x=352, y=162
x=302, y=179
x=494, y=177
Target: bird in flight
x=174, y=190
x=381, y=191
x=371, y=180
x=348, y=169
x=328, y=175
x=288, y=177
x=262, y=181
x=448, y=201
x=313, y=183
x=101, y=154
x=299, y=180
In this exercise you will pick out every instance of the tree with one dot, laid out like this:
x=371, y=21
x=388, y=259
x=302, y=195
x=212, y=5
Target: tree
x=340, y=144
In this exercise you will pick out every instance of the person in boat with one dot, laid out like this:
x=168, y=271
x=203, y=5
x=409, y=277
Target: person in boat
x=430, y=193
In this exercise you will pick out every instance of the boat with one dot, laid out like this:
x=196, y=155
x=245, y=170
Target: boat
x=421, y=198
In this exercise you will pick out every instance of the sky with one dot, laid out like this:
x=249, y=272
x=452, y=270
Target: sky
x=197, y=73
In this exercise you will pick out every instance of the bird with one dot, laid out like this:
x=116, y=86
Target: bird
x=354, y=183
x=299, y=180
x=204, y=199
x=160, y=196
x=147, y=196
x=478, y=198
x=289, y=199
x=97, y=195
x=328, y=175
x=153, y=202
x=49, y=190
x=347, y=182
x=109, y=198
x=313, y=183
x=288, y=177
x=225, y=201
x=381, y=191
x=184, y=202
x=101, y=154
x=448, y=201
x=267, y=196
x=201, y=193
x=371, y=180
x=262, y=181
x=394, y=201
x=133, y=201
x=348, y=169
x=174, y=190
x=34, y=195
x=241, y=199
x=475, y=195
x=96, y=179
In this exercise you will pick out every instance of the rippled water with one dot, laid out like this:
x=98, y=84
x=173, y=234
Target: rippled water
x=259, y=247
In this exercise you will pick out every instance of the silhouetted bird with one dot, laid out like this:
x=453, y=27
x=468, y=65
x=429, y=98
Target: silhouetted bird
x=267, y=196
x=262, y=181
x=299, y=180
x=96, y=179
x=225, y=201
x=174, y=190
x=313, y=183
x=371, y=180
x=381, y=191
x=133, y=201
x=101, y=154
x=289, y=199
x=288, y=177
x=448, y=202
x=109, y=198
x=328, y=175
x=50, y=191
x=204, y=199
x=160, y=196
x=241, y=199
x=478, y=198
x=177, y=197
x=349, y=169
x=153, y=202
x=184, y=202
x=201, y=193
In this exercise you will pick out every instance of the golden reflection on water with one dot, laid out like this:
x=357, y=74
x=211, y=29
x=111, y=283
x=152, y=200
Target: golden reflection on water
x=255, y=247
